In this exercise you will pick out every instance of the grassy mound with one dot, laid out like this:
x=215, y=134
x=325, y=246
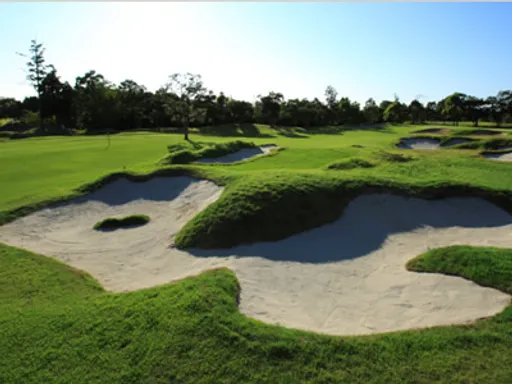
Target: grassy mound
x=58, y=326
x=128, y=221
x=351, y=163
x=274, y=206
x=486, y=266
x=188, y=152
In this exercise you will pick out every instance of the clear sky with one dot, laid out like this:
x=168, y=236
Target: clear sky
x=245, y=49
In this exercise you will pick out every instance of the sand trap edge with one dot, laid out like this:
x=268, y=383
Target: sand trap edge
x=177, y=171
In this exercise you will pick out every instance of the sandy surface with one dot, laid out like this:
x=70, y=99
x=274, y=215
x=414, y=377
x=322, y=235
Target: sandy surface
x=243, y=154
x=419, y=144
x=429, y=144
x=499, y=156
x=343, y=278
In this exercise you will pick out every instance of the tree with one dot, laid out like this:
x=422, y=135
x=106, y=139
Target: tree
x=394, y=112
x=453, y=107
x=57, y=99
x=416, y=112
x=431, y=111
x=37, y=71
x=474, y=108
x=131, y=104
x=96, y=102
x=189, y=90
x=270, y=107
x=331, y=99
x=371, y=111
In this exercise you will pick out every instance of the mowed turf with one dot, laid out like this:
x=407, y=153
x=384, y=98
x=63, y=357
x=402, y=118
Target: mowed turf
x=58, y=325
x=38, y=169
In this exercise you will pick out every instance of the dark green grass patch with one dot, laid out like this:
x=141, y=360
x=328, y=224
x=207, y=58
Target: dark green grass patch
x=123, y=222
x=192, y=332
x=476, y=132
x=486, y=266
x=351, y=163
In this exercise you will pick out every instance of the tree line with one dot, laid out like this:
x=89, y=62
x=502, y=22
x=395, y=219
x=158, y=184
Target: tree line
x=95, y=104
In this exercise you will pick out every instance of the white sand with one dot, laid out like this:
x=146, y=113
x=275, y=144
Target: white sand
x=344, y=278
x=243, y=154
x=429, y=144
x=499, y=156
x=419, y=144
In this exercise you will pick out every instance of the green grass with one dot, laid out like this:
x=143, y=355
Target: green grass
x=188, y=152
x=128, y=221
x=486, y=266
x=59, y=326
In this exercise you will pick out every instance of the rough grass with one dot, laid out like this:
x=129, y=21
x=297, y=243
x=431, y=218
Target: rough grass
x=351, y=163
x=486, y=266
x=58, y=326
x=123, y=222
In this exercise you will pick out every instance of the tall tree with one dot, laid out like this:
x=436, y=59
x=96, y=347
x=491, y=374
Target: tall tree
x=331, y=96
x=372, y=112
x=416, y=112
x=189, y=90
x=37, y=71
x=270, y=107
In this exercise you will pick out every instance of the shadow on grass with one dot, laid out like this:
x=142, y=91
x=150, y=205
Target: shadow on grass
x=366, y=224
x=233, y=130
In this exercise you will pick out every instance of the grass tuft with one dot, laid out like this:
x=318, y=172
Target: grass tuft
x=128, y=221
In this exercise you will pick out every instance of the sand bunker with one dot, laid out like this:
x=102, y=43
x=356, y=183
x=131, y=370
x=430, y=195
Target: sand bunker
x=343, y=278
x=243, y=154
x=503, y=156
x=429, y=144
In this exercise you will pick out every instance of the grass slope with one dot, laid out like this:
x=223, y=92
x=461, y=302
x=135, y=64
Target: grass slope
x=487, y=266
x=58, y=326
x=188, y=152
x=276, y=205
x=128, y=221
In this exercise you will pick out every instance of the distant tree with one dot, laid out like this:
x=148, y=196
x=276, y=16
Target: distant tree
x=372, y=112
x=416, y=112
x=10, y=107
x=431, y=111
x=96, y=102
x=394, y=112
x=57, y=99
x=189, y=90
x=270, y=107
x=453, y=107
x=474, y=109
x=240, y=111
x=331, y=96
x=131, y=104
x=37, y=71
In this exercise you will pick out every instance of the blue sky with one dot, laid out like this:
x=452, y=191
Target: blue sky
x=245, y=49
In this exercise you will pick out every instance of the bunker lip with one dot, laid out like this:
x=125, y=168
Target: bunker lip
x=429, y=143
x=243, y=154
x=436, y=131
x=504, y=155
x=356, y=284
